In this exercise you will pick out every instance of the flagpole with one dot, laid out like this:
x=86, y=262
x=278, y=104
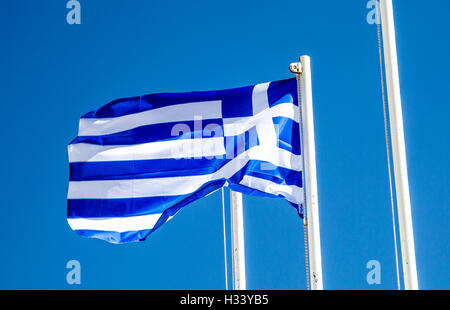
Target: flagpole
x=237, y=241
x=303, y=71
x=398, y=147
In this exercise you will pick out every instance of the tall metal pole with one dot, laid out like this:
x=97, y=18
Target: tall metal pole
x=398, y=147
x=303, y=71
x=237, y=241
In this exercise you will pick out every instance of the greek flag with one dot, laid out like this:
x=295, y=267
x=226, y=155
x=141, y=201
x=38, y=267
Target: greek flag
x=137, y=161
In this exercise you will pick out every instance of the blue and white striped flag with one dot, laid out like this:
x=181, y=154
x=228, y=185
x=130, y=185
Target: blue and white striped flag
x=137, y=161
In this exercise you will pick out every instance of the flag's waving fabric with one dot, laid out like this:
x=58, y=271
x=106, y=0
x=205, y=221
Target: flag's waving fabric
x=137, y=161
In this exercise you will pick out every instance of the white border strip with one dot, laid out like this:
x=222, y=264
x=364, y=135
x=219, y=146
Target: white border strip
x=119, y=224
x=170, y=114
x=239, y=125
x=292, y=193
x=180, y=148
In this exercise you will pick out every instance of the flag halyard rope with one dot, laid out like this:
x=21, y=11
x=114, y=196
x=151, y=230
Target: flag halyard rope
x=224, y=240
x=305, y=220
x=305, y=234
x=386, y=129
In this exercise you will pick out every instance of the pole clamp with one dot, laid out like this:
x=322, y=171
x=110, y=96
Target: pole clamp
x=296, y=67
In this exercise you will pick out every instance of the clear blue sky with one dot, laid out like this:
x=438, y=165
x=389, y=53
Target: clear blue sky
x=52, y=73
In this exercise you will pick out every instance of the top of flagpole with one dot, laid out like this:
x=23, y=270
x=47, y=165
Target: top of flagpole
x=296, y=67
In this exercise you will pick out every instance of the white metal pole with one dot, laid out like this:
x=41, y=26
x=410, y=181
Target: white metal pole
x=303, y=71
x=237, y=240
x=398, y=147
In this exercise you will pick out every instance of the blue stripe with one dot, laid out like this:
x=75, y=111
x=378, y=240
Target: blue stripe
x=270, y=172
x=234, y=102
x=288, y=134
x=253, y=192
x=116, y=237
x=143, y=169
x=100, y=208
x=158, y=132
x=93, y=208
x=280, y=90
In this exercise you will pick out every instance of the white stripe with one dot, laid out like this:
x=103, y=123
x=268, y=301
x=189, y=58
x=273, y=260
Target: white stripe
x=136, y=188
x=119, y=224
x=239, y=125
x=265, y=128
x=278, y=157
x=171, y=186
x=260, y=100
x=292, y=193
x=169, y=114
x=180, y=148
